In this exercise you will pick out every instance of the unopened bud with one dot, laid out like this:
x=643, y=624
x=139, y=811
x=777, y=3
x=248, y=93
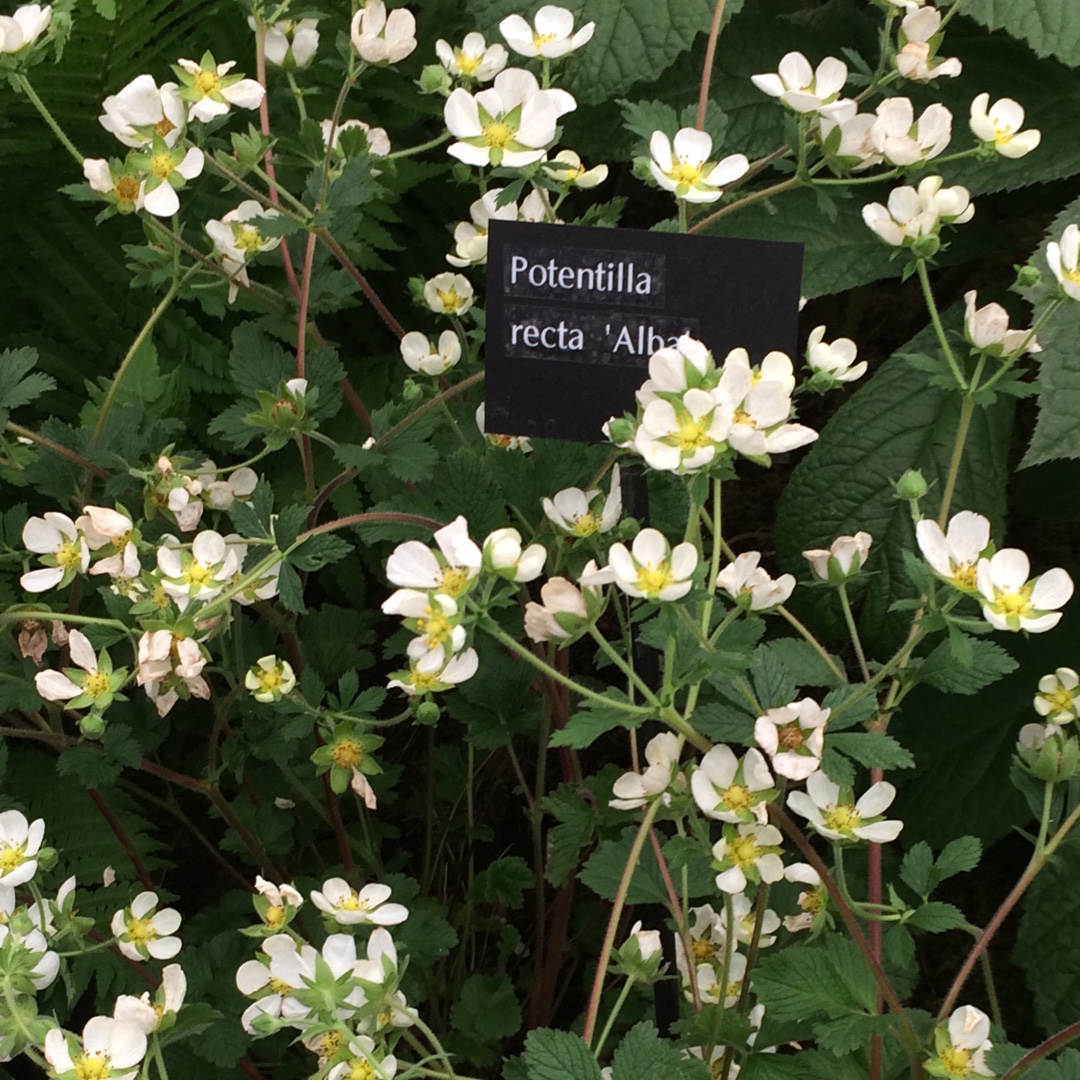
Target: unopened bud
x=427, y=712
x=411, y=391
x=912, y=485
x=926, y=247
x=92, y=726
x=435, y=79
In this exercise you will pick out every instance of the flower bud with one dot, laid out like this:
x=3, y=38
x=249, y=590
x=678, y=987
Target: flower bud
x=411, y=391
x=435, y=79
x=912, y=485
x=92, y=725
x=426, y=712
x=926, y=247
x=1045, y=752
x=1028, y=276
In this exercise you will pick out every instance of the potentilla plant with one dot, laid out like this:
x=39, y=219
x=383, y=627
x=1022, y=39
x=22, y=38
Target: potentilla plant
x=523, y=775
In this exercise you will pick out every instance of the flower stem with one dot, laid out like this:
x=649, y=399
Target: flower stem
x=1055, y=1042
x=57, y=130
x=853, y=630
x=365, y=286
x=613, y=920
x=746, y=200
x=56, y=448
x=935, y=318
x=429, y=145
x=967, y=410
x=159, y=1059
x=707, y=66
x=619, y=1003
x=623, y=666
x=813, y=641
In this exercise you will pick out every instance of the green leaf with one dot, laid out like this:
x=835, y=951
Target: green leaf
x=893, y=423
x=874, y=749
x=1050, y=27
x=774, y=685
x=635, y=40
x=594, y=719
x=503, y=882
x=846, y=1034
x=559, y=1055
x=959, y=856
x=287, y=524
x=1057, y=431
x=290, y=590
x=937, y=917
x=19, y=383
x=829, y=978
x=577, y=824
x=917, y=869
x=319, y=551
x=803, y=662
x=604, y=870
x=989, y=662
x=487, y=1009
x=642, y=1053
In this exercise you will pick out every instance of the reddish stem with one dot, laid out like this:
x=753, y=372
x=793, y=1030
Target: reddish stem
x=1055, y=1042
x=706, y=68
x=676, y=911
x=365, y=286
x=121, y=834
x=876, y=775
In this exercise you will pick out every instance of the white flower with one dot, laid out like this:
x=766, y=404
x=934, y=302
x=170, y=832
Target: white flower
x=448, y=294
x=794, y=737
x=110, y=1049
x=364, y=1062
x=144, y=932
x=954, y=555
x=802, y=88
x=633, y=790
x=509, y=124
x=420, y=356
x=844, y=557
x=380, y=39
x=433, y=672
x=686, y=436
x=742, y=907
x=93, y=686
x=551, y=35
x=649, y=942
x=202, y=573
x=20, y=843
x=916, y=58
x=914, y=213
x=566, y=168
x=24, y=27
x=166, y=170
x=1062, y=259
x=963, y=1047
x=415, y=566
x=377, y=139
x=351, y=908
x=290, y=43
x=254, y=979
x=474, y=59
x=1010, y=601
x=504, y=554
x=169, y=999
x=651, y=568
x=838, y=819
x=503, y=442
x=988, y=329
x=434, y=616
x=277, y=898
x=750, y=586
x=212, y=91
x=585, y=513
x=220, y=493
x=745, y=853
x=46, y=963
x=1000, y=125
x=727, y=789
x=811, y=901
x=300, y=970
x=901, y=140
x=64, y=549
x=845, y=136
x=675, y=369
x=125, y=191
x=708, y=982
x=1058, y=699
x=708, y=941
x=682, y=167
x=761, y=400
x=236, y=237
x=562, y=613
x=836, y=360
x=270, y=679
x=167, y=665
x=471, y=237
x=141, y=110
x=101, y=526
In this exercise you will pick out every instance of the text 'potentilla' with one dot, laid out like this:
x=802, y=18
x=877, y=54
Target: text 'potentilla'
x=604, y=277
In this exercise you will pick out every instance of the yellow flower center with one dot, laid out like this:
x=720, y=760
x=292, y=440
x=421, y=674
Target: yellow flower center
x=436, y=627
x=360, y=1070
x=68, y=556
x=540, y=40
x=813, y=901
x=703, y=950
x=454, y=580
x=653, y=579
x=330, y=1044
x=424, y=681
x=1073, y=275
x=11, y=857
x=841, y=818
x=1003, y=133
x=271, y=680
x=498, y=135
x=957, y=1062
x=159, y=597
x=164, y=126
x=1060, y=700
x=385, y=1018
x=161, y=165
x=140, y=932
x=790, y=736
x=684, y=173
x=247, y=237
x=743, y=417
x=466, y=62
x=737, y=797
x=279, y=986
x=126, y=189
x=964, y=575
x=97, y=684
x=198, y=574
x=743, y=851
x=274, y=917
x=449, y=299
x=692, y=434
x=585, y=525
x=1015, y=603
x=347, y=754
x=92, y=1067
x=206, y=83
x=352, y=902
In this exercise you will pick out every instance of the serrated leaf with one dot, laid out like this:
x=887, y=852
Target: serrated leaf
x=937, y=917
x=19, y=383
x=503, y=882
x=290, y=590
x=643, y=1053
x=605, y=868
x=594, y=719
x=916, y=870
x=986, y=663
x=829, y=978
x=846, y=1034
x=487, y=1009
x=558, y=1055
x=319, y=551
x=959, y=856
x=874, y=749
x=1050, y=27
x=773, y=683
x=288, y=522
x=577, y=824
x=803, y=662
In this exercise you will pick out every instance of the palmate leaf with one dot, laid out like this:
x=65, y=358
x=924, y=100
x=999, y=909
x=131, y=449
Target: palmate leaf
x=19, y=383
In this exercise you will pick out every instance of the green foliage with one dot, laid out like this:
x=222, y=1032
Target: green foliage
x=19, y=383
x=486, y=1012
x=604, y=870
x=558, y=1055
x=643, y=1053
x=504, y=882
x=594, y=719
x=1050, y=27
x=565, y=841
x=988, y=663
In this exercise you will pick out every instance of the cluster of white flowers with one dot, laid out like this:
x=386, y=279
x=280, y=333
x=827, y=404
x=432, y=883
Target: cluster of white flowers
x=693, y=414
x=347, y=1007
x=913, y=217
x=21, y=30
